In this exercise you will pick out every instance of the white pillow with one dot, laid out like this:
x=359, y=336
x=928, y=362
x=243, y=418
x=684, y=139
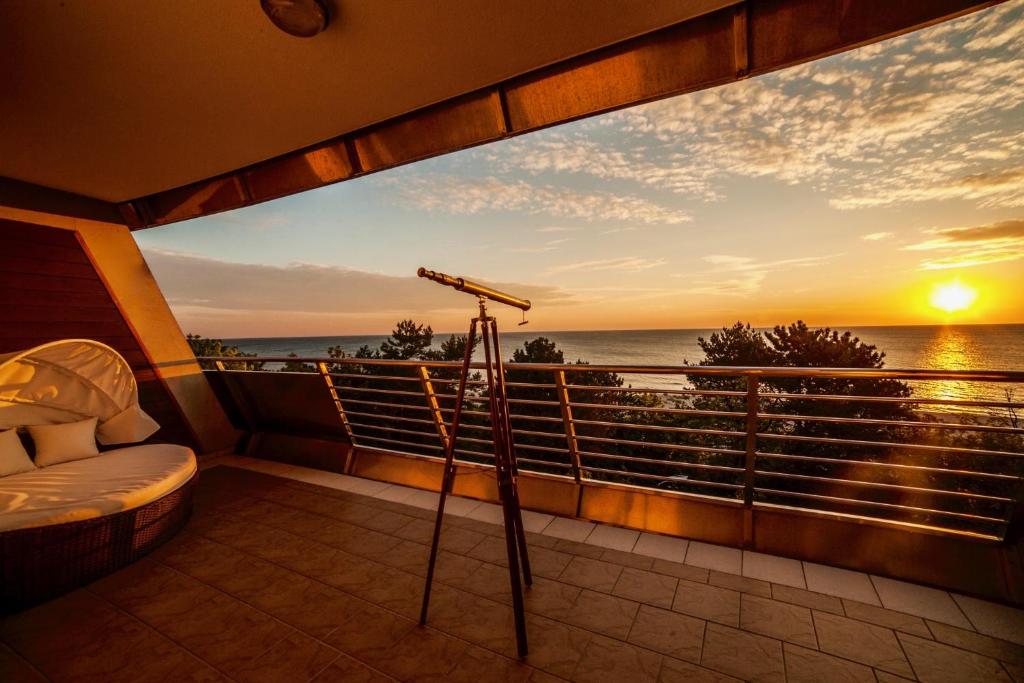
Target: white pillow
x=13, y=456
x=64, y=442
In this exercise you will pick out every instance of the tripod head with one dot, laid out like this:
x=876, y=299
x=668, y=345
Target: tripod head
x=476, y=289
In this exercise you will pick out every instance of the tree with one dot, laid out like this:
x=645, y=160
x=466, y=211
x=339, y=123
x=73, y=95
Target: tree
x=204, y=346
x=296, y=365
x=407, y=340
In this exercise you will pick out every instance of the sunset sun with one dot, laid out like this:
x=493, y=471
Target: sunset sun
x=953, y=296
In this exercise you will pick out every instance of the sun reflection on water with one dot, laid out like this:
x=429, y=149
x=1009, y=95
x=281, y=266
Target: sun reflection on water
x=951, y=348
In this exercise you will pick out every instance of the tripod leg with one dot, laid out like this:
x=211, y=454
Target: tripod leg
x=506, y=491
x=449, y=467
x=513, y=467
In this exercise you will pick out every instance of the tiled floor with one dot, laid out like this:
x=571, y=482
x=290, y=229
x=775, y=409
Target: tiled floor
x=308, y=575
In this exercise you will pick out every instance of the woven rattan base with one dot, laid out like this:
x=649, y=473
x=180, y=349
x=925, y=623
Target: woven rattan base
x=43, y=562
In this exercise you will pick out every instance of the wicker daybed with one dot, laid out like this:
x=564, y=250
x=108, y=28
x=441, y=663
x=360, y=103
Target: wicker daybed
x=66, y=524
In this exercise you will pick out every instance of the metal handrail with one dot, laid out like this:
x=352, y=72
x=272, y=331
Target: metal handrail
x=682, y=429
x=850, y=373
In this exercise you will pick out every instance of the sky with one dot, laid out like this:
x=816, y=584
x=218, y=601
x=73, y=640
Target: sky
x=846, y=191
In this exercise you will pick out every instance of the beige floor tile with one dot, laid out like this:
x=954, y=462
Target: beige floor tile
x=744, y=655
x=810, y=666
x=841, y=583
x=707, y=602
x=994, y=620
x=938, y=663
x=717, y=557
x=661, y=547
x=613, y=537
x=424, y=500
x=880, y=616
x=668, y=632
x=602, y=613
x=611, y=661
x=536, y=522
x=772, y=568
x=593, y=574
x=676, y=671
x=861, y=642
x=626, y=559
x=643, y=586
x=798, y=596
x=742, y=584
x=487, y=512
x=680, y=571
x=777, y=620
x=997, y=648
x=556, y=648
x=571, y=529
x=459, y=506
x=921, y=601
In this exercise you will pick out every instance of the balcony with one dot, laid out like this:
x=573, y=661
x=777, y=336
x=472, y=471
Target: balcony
x=292, y=573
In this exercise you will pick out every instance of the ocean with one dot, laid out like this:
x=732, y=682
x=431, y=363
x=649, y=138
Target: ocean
x=938, y=347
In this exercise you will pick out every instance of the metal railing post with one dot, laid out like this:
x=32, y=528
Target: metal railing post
x=326, y=375
x=570, y=428
x=433, y=405
x=750, y=458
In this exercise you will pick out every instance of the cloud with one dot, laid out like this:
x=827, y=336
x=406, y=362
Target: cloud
x=559, y=228
x=933, y=115
x=550, y=245
x=462, y=195
x=972, y=246
x=190, y=281
x=733, y=275
x=877, y=236
x=624, y=264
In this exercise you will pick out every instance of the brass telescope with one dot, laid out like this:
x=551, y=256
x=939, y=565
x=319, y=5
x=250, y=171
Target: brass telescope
x=470, y=287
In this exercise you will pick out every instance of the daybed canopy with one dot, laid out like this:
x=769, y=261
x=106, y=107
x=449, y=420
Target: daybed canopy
x=71, y=380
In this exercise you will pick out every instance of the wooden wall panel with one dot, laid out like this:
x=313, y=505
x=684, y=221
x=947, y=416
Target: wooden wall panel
x=49, y=290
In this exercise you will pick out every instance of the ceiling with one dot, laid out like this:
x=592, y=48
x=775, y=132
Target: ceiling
x=116, y=100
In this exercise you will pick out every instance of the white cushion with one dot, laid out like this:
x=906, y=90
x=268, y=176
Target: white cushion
x=64, y=442
x=13, y=456
x=122, y=479
x=131, y=425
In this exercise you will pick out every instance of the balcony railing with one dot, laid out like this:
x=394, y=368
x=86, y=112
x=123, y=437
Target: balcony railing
x=814, y=439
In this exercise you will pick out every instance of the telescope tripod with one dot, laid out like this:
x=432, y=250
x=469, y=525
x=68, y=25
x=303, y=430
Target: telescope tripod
x=506, y=469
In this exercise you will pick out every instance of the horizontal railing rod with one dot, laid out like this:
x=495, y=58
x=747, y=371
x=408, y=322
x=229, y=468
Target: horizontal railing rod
x=372, y=390
x=668, y=446
x=662, y=478
x=890, y=423
x=819, y=459
x=854, y=502
x=665, y=411
x=433, y=447
x=650, y=390
x=397, y=430
x=890, y=399
x=389, y=378
x=662, y=463
x=883, y=485
x=662, y=428
x=384, y=404
x=890, y=444
x=400, y=418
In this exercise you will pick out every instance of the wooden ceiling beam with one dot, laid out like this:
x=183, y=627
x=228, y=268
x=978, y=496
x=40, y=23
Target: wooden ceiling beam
x=749, y=38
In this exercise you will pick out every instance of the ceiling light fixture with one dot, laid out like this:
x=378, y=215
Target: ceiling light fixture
x=300, y=18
